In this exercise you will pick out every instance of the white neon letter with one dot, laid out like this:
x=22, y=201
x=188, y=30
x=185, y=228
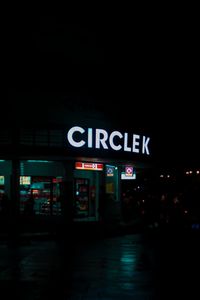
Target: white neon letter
x=135, y=143
x=112, y=145
x=126, y=148
x=89, y=137
x=145, y=142
x=70, y=136
x=101, y=140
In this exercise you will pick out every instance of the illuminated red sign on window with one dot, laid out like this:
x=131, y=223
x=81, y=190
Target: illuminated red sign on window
x=88, y=166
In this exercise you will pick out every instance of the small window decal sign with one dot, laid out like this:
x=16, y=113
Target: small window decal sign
x=129, y=171
x=110, y=171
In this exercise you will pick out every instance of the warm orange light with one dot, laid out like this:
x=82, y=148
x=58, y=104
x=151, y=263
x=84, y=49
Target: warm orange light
x=88, y=166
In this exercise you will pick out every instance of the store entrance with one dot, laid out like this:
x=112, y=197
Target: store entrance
x=86, y=195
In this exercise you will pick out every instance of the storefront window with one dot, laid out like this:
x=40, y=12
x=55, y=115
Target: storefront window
x=3, y=197
x=39, y=195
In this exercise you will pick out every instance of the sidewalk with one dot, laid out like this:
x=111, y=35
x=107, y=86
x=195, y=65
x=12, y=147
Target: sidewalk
x=91, y=230
x=133, y=266
x=61, y=229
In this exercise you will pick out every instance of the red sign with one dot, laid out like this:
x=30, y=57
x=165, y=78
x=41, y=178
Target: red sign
x=88, y=166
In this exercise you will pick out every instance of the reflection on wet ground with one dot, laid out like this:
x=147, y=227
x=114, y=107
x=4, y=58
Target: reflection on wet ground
x=151, y=266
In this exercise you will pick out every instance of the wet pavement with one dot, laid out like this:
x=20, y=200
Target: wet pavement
x=133, y=266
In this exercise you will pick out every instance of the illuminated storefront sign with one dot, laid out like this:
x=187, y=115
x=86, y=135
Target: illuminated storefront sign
x=25, y=180
x=100, y=139
x=88, y=166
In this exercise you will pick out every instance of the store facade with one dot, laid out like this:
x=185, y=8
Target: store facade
x=76, y=172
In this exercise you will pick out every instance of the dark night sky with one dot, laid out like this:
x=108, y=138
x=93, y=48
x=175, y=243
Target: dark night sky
x=145, y=69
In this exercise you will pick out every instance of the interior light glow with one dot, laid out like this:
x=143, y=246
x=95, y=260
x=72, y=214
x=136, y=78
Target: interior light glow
x=25, y=180
x=124, y=177
x=111, y=166
x=2, y=180
x=38, y=161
